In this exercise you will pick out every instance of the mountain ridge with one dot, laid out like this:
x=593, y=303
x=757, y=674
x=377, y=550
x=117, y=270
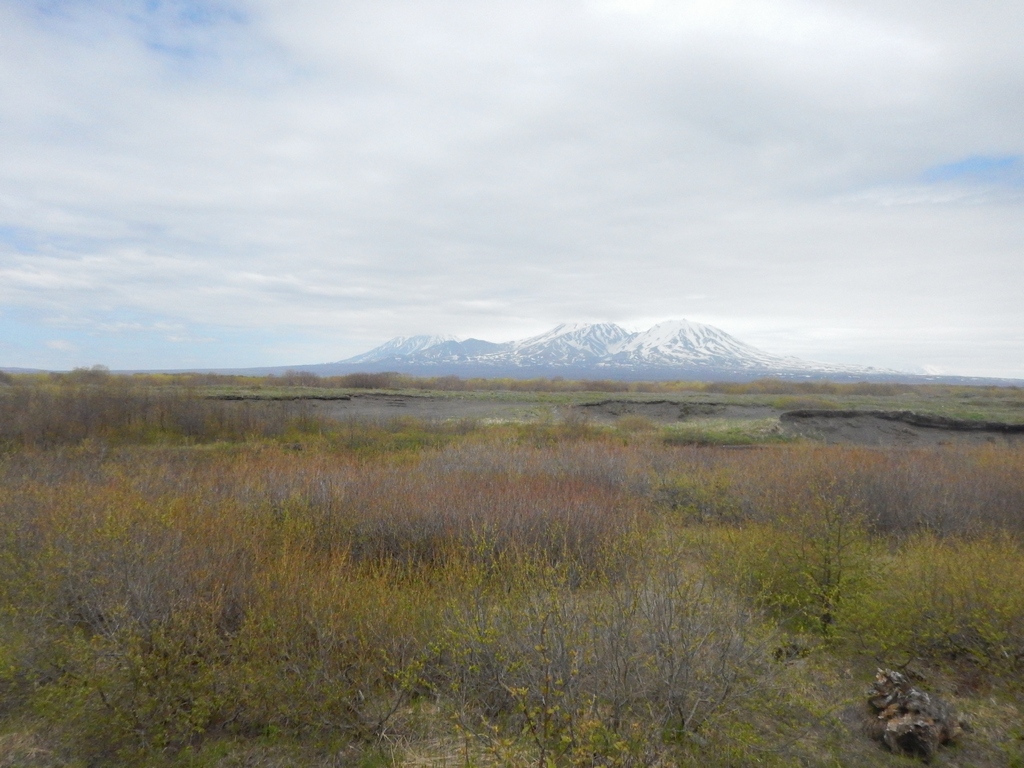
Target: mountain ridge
x=671, y=345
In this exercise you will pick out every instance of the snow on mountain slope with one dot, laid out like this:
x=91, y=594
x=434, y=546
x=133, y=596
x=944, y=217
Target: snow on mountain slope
x=681, y=342
x=400, y=346
x=674, y=344
x=569, y=344
x=459, y=351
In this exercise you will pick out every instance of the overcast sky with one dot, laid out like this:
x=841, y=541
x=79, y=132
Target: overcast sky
x=191, y=183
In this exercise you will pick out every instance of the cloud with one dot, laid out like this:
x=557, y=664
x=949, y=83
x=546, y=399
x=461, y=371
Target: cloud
x=316, y=177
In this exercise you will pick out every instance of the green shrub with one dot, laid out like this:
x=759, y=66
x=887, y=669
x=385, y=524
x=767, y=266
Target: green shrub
x=810, y=564
x=134, y=693
x=954, y=600
x=700, y=496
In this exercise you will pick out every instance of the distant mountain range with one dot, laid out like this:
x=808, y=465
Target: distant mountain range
x=673, y=349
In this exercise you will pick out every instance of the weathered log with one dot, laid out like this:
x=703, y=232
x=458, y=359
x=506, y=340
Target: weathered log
x=914, y=722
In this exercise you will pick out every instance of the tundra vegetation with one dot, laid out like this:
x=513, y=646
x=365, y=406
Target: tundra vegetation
x=192, y=581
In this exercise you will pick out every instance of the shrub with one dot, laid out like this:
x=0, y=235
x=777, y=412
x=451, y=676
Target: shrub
x=564, y=595
x=583, y=677
x=949, y=600
x=809, y=563
x=699, y=496
x=115, y=410
x=631, y=423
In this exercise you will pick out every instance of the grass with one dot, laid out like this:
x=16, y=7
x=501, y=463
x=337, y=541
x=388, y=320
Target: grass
x=726, y=432
x=189, y=582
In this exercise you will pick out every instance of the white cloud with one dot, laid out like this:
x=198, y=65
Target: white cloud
x=348, y=172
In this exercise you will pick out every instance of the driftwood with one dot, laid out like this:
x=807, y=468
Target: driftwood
x=910, y=721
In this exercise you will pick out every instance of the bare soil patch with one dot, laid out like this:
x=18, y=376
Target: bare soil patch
x=896, y=428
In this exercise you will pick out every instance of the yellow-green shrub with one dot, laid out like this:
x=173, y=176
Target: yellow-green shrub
x=331, y=647
x=948, y=599
x=811, y=563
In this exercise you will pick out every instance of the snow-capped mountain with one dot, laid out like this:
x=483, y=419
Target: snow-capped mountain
x=400, y=346
x=676, y=342
x=569, y=344
x=602, y=348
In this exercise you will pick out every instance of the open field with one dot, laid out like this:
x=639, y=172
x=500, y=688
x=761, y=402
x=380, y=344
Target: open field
x=751, y=415
x=211, y=573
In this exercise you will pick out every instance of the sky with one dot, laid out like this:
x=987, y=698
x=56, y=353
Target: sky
x=195, y=183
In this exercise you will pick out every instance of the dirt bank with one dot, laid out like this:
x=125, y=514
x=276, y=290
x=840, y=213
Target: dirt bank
x=896, y=428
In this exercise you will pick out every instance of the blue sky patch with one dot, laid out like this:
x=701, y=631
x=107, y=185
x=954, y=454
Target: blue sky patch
x=180, y=29
x=184, y=12
x=20, y=239
x=985, y=169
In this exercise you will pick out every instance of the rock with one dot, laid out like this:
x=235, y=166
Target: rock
x=915, y=723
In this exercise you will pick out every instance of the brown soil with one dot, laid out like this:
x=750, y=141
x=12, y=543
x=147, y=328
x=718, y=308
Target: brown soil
x=897, y=428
